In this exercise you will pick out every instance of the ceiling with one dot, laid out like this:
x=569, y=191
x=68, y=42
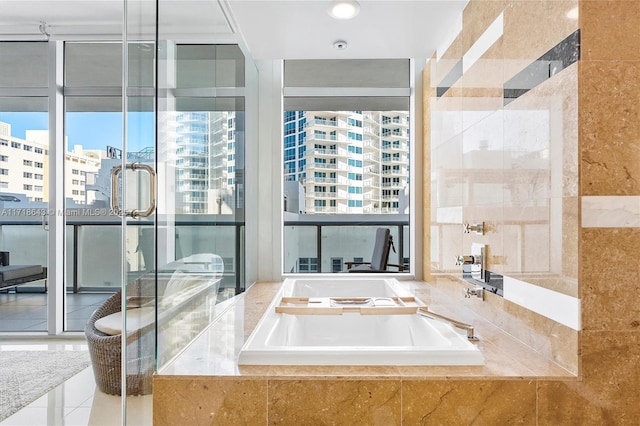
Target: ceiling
x=300, y=29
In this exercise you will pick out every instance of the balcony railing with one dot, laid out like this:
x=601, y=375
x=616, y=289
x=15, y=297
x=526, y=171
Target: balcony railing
x=326, y=243
x=323, y=194
x=93, y=249
x=321, y=122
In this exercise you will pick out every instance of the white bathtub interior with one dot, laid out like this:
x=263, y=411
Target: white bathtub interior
x=351, y=338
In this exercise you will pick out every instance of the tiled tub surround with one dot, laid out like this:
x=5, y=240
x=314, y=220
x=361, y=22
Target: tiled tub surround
x=205, y=384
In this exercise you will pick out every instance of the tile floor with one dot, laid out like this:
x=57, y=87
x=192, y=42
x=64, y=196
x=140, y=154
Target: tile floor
x=76, y=402
x=28, y=311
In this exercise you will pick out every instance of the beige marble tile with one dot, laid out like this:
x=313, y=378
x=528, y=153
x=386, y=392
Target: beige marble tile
x=496, y=318
x=531, y=28
x=293, y=372
x=317, y=402
x=206, y=400
x=570, y=246
x=616, y=211
x=609, y=126
x=608, y=391
x=609, y=30
x=468, y=402
x=477, y=16
x=447, y=60
x=610, y=273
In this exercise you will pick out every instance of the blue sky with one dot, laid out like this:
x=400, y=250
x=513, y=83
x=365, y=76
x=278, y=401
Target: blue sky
x=92, y=130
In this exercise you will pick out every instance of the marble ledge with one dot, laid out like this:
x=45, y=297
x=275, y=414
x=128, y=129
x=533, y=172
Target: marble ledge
x=215, y=352
x=611, y=211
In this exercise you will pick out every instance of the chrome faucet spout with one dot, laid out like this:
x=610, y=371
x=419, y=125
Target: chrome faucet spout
x=425, y=312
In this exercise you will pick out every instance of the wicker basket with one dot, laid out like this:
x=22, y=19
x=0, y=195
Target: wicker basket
x=105, y=352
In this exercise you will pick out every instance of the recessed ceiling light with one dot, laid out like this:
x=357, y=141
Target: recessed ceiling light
x=344, y=9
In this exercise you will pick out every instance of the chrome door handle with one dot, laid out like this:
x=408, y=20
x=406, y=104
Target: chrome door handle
x=115, y=201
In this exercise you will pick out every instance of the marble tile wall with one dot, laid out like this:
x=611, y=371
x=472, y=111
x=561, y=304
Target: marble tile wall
x=504, y=149
x=563, y=203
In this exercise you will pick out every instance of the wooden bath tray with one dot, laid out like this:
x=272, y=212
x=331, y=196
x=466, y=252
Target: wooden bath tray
x=340, y=305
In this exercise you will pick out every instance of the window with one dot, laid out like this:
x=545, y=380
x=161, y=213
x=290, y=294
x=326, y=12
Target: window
x=38, y=176
x=27, y=163
x=336, y=264
x=290, y=167
x=4, y=172
x=289, y=116
x=354, y=136
x=27, y=175
x=27, y=147
x=15, y=145
x=75, y=182
x=308, y=264
x=4, y=185
x=27, y=187
x=289, y=154
x=38, y=150
x=4, y=142
x=290, y=141
x=354, y=168
x=75, y=171
x=4, y=158
x=405, y=262
x=289, y=128
x=37, y=188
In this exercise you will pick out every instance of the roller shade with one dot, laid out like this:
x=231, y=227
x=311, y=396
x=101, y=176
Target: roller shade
x=349, y=103
x=347, y=73
x=347, y=84
x=24, y=64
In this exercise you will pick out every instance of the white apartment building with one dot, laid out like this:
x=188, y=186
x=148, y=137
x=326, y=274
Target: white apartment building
x=349, y=161
x=24, y=165
x=205, y=162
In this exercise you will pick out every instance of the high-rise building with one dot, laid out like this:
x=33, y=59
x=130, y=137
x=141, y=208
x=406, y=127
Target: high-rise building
x=24, y=165
x=205, y=161
x=349, y=161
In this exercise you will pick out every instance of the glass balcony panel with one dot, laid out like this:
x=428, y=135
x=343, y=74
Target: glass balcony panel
x=300, y=255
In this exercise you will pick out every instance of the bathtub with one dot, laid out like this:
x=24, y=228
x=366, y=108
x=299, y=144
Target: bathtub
x=352, y=338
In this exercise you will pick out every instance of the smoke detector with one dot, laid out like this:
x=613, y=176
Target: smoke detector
x=340, y=45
